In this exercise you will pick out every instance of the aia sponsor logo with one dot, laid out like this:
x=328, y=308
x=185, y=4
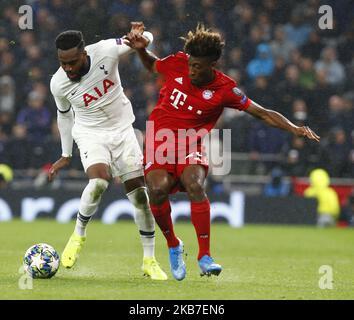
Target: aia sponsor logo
x=98, y=92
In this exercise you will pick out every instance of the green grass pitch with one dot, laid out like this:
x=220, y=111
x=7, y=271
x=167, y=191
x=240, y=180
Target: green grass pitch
x=259, y=262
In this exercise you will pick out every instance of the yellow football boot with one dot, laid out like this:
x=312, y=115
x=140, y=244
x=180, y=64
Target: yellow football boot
x=152, y=269
x=72, y=250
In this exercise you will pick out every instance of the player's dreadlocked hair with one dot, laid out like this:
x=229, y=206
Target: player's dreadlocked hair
x=203, y=43
x=70, y=39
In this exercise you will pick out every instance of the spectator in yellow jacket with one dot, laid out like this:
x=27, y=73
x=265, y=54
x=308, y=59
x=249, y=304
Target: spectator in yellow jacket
x=328, y=208
x=6, y=175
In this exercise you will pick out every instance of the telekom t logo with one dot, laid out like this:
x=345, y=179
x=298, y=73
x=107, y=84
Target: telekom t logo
x=178, y=98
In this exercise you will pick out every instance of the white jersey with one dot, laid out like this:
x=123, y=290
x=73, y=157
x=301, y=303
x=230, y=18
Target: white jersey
x=98, y=100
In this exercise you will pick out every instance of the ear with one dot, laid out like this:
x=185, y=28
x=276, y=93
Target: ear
x=213, y=64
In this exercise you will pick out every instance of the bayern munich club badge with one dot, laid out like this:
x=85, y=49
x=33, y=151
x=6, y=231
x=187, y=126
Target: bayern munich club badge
x=207, y=94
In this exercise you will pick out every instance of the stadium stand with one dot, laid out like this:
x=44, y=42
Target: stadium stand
x=274, y=49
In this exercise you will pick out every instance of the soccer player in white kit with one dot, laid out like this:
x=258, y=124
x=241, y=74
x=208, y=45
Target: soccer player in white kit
x=94, y=111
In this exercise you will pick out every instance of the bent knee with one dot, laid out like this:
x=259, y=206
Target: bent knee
x=98, y=186
x=195, y=190
x=139, y=197
x=158, y=193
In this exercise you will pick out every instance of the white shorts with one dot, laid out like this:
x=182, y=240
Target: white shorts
x=118, y=149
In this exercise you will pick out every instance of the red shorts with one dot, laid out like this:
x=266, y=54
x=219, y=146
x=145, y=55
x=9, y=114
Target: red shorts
x=176, y=165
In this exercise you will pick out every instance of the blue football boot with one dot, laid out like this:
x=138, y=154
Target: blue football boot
x=208, y=266
x=178, y=267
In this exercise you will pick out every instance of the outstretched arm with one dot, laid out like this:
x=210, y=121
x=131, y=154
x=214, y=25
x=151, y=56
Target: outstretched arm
x=139, y=43
x=148, y=59
x=137, y=28
x=277, y=120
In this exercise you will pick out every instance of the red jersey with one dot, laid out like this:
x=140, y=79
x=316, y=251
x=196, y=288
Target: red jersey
x=182, y=105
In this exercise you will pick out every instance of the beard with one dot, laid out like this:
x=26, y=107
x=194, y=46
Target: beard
x=83, y=70
x=76, y=79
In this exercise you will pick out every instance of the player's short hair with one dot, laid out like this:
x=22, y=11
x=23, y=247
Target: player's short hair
x=70, y=39
x=203, y=43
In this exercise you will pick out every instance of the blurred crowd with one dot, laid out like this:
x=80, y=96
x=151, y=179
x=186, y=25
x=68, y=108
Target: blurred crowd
x=274, y=50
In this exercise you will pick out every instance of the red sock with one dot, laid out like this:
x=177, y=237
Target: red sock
x=162, y=214
x=200, y=212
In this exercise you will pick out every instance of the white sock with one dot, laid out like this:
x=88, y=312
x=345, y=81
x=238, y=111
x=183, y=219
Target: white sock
x=81, y=223
x=144, y=219
x=90, y=199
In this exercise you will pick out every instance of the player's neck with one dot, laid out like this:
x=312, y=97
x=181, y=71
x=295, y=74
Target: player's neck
x=206, y=80
x=86, y=67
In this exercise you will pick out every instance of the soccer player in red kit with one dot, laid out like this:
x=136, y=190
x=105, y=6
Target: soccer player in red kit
x=193, y=97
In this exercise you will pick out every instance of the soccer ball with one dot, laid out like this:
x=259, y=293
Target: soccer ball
x=41, y=261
